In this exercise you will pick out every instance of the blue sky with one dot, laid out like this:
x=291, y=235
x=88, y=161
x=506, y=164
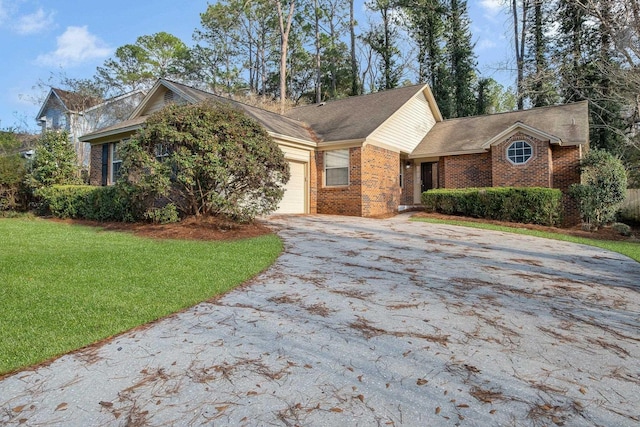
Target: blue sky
x=38, y=38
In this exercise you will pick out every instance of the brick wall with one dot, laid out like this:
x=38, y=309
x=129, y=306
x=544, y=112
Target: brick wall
x=344, y=200
x=535, y=173
x=566, y=171
x=95, y=165
x=381, y=191
x=313, y=184
x=566, y=166
x=469, y=170
x=406, y=197
x=374, y=184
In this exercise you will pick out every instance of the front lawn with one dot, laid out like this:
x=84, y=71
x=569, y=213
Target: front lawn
x=630, y=249
x=66, y=286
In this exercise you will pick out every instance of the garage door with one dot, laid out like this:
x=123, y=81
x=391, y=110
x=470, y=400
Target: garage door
x=294, y=199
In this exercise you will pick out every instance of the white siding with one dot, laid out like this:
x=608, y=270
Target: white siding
x=159, y=100
x=407, y=127
x=295, y=193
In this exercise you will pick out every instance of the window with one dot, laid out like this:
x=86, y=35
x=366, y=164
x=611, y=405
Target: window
x=116, y=163
x=336, y=167
x=519, y=152
x=162, y=151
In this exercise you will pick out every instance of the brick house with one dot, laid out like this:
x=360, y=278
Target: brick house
x=373, y=155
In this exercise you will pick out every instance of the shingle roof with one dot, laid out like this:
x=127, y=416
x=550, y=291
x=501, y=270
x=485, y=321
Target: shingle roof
x=273, y=122
x=355, y=117
x=568, y=123
x=74, y=101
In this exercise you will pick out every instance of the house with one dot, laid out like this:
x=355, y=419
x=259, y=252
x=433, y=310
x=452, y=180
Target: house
x=374, y=154
x=79, y=114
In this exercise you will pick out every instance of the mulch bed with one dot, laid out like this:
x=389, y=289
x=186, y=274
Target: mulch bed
x=192, y=228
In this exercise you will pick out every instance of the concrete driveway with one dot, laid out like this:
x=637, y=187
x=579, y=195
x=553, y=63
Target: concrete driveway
x=372, y=322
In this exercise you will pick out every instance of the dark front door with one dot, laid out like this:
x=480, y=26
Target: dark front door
x=426, y=175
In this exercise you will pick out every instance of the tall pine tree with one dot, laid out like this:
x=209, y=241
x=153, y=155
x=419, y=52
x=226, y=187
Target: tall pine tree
x=461, y=60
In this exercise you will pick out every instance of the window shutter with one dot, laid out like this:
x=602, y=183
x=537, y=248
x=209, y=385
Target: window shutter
x=105, y=163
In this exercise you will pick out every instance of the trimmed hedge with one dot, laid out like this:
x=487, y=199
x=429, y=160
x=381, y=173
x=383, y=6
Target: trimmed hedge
x=84, y=201
x=531, y=205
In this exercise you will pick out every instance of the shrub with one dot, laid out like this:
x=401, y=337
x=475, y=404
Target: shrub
x=621, y=228
x=206, y=159
x=603, y=188
x=86, y=202
x=527, y=205
x=54, y=162
x=12, y=173
x=163, y=215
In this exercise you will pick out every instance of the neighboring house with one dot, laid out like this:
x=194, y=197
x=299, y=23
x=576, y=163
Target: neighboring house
x=373, y=155
x=79, y=114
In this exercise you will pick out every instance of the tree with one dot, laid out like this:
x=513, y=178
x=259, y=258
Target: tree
x=592, y=66
x=461, y=59
x=382, y=37
x=12, y=172
x=54, y=161
x=538, y=83
x=426, y=20
x=603, y=188
x=519, y=13
x=356, y=84
x=206, y=159
x=137, y=66
x=494, y=98
x=285, y=29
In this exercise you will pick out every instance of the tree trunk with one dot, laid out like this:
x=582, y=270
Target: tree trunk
x=318, y=71
x=284, y=46
x=519, y=31
x=355, y=89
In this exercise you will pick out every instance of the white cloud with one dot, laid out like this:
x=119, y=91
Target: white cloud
x=493, y=7
x=34, y=23
x=485, y=44
x=75, y=46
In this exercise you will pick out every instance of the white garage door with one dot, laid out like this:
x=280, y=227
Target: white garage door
x=294, y=198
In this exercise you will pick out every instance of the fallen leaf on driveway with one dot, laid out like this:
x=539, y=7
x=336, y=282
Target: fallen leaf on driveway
x=62, y=406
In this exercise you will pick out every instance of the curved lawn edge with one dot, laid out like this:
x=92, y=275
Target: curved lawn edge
x=69, y=286
x=629, y=249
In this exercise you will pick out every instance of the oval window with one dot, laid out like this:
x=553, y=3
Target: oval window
x=519, y=152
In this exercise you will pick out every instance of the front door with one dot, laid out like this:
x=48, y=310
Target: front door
x=427, y=174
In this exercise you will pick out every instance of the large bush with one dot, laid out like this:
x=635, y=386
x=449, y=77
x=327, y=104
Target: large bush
x=205, y=159
x=603, y=188
x=527, y=205
x=85, y=202
x=12, y=173
x=54, y=161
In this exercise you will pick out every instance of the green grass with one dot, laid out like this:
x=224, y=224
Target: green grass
x=630, y=249
x=63, y=286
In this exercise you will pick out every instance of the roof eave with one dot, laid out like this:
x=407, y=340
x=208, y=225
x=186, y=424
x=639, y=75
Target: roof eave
x=529, y=130
x=413, y=156
x=295, y=140
x=102, y=135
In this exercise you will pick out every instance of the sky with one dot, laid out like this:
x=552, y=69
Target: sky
x=41, y=38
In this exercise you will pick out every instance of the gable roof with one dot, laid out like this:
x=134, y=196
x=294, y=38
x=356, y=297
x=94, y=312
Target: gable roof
x=356, y=117
x=70, y=101
x=560, y=124
x=274, y=123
